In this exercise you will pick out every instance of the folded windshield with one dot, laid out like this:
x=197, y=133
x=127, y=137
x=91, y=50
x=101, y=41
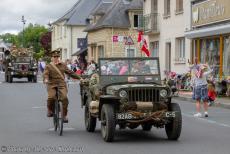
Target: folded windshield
x=23, y=59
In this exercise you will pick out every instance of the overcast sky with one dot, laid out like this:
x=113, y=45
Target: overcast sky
x=34, y=11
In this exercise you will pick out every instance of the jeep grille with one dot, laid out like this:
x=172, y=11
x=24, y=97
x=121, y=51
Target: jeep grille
x=22, y=67
x=144, y=95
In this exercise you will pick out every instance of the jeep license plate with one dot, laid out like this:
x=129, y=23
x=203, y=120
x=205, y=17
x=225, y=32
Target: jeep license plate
x=170, y=114
x=124, y=116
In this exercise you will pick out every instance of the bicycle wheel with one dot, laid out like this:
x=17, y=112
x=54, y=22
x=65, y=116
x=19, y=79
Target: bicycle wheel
x=56, y=116
x=60, y=118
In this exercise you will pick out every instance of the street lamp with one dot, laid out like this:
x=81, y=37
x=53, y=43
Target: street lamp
x=23, y=22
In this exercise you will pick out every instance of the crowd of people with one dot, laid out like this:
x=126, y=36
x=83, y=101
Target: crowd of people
x=75, y=66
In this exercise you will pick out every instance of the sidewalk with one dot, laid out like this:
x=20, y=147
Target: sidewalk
x=223, y=102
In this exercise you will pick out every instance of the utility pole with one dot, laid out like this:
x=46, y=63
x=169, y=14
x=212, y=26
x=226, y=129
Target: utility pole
x=23, y=22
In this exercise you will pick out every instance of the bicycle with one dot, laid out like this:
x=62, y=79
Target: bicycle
x=58, y=118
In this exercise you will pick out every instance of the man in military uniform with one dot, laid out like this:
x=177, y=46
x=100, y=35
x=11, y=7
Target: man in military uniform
x=54, y=77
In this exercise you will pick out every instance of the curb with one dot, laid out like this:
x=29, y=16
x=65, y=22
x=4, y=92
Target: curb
x=221, y=105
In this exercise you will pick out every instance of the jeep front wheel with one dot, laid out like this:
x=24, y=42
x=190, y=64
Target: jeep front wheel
x=10, y=78
x=90, y=122
x=35, y=79
x=173, y=128
x=108, y=123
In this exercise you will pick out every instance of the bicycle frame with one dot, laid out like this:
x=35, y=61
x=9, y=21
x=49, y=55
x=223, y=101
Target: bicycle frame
x=58, y=113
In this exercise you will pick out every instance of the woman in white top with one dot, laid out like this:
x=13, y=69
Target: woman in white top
x=200, y=88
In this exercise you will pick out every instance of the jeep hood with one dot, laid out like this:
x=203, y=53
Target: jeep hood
x=117, y=87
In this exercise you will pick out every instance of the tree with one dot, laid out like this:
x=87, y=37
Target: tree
x=46, y=42
x=10, y=38
x=31, y=36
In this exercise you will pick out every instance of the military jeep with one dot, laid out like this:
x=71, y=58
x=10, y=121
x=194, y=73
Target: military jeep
x=20, y=64
x=128, y=92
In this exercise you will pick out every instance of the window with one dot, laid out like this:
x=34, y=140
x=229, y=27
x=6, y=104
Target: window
x=101, y=51
x=226, y=57
x=154, y=6
x=179, y=6
x=166, y=7
x=138, y=21
x=130, y=52
x=209, y=53
x=180, y=50
x=154, y=48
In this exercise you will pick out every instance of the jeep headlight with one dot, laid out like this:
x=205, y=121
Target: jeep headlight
x=163, y=93
x=123, y=94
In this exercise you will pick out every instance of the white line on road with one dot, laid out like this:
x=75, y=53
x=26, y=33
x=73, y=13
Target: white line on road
x=38, y=107
x=206, y=120
x=65, y=129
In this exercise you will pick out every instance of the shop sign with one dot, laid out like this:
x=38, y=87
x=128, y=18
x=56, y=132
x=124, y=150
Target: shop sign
x=210, y=11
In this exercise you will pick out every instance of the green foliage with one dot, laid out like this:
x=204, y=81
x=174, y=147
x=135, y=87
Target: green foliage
x=32, y=35
x=38, y=55
x=10, y=38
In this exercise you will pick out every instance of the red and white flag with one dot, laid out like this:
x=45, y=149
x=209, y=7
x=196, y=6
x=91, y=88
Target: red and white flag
x=142, y=41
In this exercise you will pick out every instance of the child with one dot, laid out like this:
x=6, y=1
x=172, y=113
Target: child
x=211, y=94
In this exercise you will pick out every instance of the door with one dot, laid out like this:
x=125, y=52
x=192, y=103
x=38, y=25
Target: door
x=168, y=57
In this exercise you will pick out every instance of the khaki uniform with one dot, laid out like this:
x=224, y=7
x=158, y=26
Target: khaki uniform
x=55, y=80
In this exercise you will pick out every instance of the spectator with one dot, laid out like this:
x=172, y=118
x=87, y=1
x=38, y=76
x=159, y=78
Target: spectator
x=91, y=67
x=211, y=94
x=200, y=92
x=42, y=65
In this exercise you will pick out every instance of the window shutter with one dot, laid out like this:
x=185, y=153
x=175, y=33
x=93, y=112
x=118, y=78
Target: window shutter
x=177, y=5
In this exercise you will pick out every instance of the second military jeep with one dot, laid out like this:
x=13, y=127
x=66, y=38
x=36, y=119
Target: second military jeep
x=20, y=66
x=128, y=92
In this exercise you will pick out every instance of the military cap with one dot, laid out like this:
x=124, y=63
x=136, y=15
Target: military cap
x=56, y=53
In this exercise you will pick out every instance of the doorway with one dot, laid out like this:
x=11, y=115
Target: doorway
x=168, y=57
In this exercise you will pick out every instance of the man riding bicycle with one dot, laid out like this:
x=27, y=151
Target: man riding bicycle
x=54, y=77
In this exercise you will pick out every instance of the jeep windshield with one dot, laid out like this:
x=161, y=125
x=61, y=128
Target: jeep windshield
x=23, y=59
x=129, y=70
x=134, y=67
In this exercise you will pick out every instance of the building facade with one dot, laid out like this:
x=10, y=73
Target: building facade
x=210, y=34
x=165, y=23
x=114, y=31
x=69, y=29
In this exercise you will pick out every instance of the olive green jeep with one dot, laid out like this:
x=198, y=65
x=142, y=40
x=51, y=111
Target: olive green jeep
x=128, y=92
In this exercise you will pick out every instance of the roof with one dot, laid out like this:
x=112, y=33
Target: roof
x=78, y=14
x=116, y=15
x=102, y=7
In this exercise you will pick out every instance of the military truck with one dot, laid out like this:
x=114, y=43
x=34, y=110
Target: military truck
x=19, y=63
x=128, y=92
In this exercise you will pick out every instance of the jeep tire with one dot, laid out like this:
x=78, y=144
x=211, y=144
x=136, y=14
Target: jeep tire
x=35, y=79
x=6, y=78
x=173, y=128
x=90, y=122
x=10, y=78
x=108, y=123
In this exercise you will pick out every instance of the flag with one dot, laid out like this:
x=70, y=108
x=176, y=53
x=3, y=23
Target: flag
x=140, y=36
x=145, y=50
x=144, y=46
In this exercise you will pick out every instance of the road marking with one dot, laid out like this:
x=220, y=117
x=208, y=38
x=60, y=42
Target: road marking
x=65, y=129
x=206, y=120
x=38, y=107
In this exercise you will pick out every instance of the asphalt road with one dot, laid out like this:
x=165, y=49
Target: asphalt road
x=25, y=128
